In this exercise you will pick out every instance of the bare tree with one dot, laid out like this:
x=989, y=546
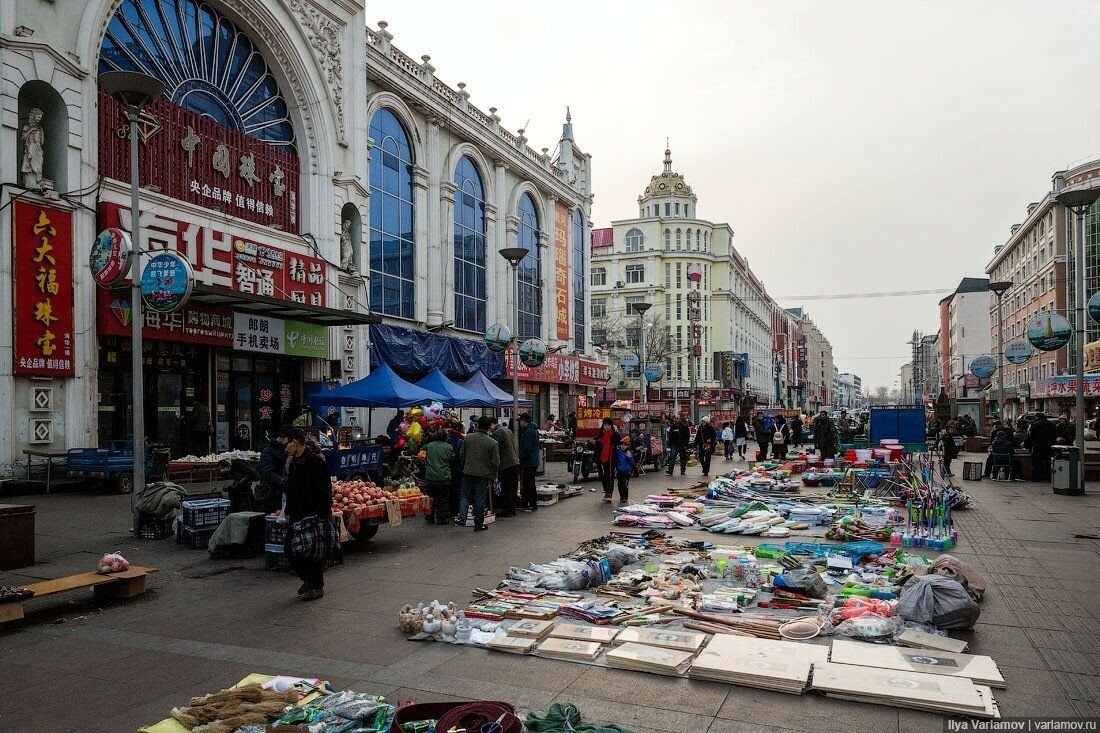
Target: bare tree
x=618, y=335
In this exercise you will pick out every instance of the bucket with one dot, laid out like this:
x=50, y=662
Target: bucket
x=863, y=454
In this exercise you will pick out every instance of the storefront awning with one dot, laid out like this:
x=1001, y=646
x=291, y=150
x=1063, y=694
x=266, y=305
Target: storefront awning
x=262, y=305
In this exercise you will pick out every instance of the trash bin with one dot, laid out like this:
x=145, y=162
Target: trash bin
x=16, y=536
x=1064, y=477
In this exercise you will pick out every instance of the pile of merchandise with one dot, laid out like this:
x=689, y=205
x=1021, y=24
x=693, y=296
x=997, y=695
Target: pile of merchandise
x=651, y=603
x=229, y=455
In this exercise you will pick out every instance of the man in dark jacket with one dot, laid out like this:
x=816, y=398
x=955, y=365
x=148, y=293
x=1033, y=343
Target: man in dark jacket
x=480, y=465
x=394, y=424
x=528, y=462
x=825, y=436
x=308, y=494
x=509, y=469
x=679, y=440
x=273, y=472
x=796, y=430
x=1064, y=431
x=763, y=429
x=1040, y=438
x=705, y=440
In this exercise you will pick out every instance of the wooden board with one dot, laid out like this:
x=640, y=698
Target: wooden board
x=894, y=687
x=643, y=658
x=782, y=672
x=570, y=649
x=923, y=640
x=512, y=644
x=729, y=645
x=601, y=634
x=531, y=629
x=992, y=711
x=978, y=668
x=667, y=638
x=83, y=580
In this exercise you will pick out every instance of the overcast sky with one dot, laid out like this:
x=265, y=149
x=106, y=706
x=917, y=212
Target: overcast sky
x=852, y=146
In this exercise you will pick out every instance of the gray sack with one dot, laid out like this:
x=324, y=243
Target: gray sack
x=939, y=601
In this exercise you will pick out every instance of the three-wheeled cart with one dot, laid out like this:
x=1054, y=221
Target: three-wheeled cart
x=115, y=464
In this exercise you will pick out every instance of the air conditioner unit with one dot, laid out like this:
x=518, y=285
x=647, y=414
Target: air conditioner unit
x=619, y=283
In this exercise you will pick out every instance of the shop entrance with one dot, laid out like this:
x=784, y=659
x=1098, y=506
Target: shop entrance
x=254, y=397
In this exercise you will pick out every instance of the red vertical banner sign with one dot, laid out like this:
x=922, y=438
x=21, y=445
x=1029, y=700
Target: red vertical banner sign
x=561, y=271
x=42, y=267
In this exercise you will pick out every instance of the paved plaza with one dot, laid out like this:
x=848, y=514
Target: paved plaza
x=204, y=624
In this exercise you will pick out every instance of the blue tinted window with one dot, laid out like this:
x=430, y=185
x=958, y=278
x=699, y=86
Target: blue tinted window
x=469, y=243
x=392, y=239
x=530, y=270
x=206, y=63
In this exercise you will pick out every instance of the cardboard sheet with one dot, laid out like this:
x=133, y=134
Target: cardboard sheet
x=689, y=641
x=978, y=668
x=918, y=690
x=569, y=649
x=643, y=658
x=601, y=634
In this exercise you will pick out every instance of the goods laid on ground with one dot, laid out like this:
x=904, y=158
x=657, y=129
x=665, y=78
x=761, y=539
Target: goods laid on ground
x=920, y=640
x=570, y=649
x=110, y=585
x=644, y=658
x=916, y=690
x=979, y=669
x=771, y=665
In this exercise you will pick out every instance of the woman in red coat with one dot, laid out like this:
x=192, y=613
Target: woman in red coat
x=606, y=440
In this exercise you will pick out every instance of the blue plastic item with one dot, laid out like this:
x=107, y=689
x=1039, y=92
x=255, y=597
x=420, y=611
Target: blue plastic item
x=859, y=550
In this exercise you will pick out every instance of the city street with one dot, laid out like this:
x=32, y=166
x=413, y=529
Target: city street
x=205, y=624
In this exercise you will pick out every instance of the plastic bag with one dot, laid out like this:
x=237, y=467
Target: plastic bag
x=936, y=600
x=869, y=627
x=804, y=581
x=112, y=562
x=975, y=584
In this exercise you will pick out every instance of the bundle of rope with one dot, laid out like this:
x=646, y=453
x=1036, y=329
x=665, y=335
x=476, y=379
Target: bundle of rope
x=475, y=716
x=566, y=719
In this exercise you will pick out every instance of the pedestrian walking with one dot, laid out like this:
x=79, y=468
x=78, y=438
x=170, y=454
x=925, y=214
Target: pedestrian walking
x=679, y=438
x=393, y=426
x=764, y=429
x=199, y=423
x=509, y=470
x=455, y=438
x=624, y=467
x=825, y=437
x=272, y=471
x=480, y=465
x=706, y=438
x=727, y=440
x=797, y=428
x=312, y=538
x=781, y=438
x=439, y=461
x=948, y=447
x=528, y=463
x=741, y=435
x=606, y=440
x=1040, y=438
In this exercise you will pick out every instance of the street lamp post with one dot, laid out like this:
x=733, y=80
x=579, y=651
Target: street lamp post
x=134, y=91
x=1078, y=199
x=640, y=309
x=514, y=255
x=999, y=289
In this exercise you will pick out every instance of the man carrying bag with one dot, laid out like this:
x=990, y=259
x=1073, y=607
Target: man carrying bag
x=312, y=538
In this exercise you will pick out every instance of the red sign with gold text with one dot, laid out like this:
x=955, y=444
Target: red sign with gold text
x=42, y=263
x=193, y=323
x=561, y=369
x=224, y=256
x=561, y=271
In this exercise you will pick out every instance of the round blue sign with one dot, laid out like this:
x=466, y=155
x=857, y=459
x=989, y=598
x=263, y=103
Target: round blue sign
x=166, y=282
x=1018, y=352
x=1048, y=331
x=629, y=362
x=1094, y=307
x=497, y=337
x=983, y=366
x=654, y=371
x=532, y=352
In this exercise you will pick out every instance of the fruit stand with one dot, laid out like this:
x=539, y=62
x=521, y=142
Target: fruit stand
x=366, y=506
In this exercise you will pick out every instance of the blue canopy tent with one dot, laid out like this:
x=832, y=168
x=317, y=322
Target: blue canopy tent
x=382, y=388
x=484, y=386
x=457, y=395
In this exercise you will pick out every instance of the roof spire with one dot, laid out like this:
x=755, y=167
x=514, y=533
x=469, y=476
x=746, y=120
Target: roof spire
x=668, y=157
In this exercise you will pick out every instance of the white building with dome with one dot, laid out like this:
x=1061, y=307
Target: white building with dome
x=652, y=258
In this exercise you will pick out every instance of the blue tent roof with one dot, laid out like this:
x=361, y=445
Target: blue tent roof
x=457, y=396
x=483, y=385
x=382, y=388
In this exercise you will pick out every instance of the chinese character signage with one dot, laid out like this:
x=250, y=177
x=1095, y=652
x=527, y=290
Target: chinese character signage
x=166, y=282
x=194, y=159
x=194, y=324
x=42, y=266
x=562, y=369
x=224, y=256
x=258, y=333
x=561, y=271
x=1063, y=386
x=306, y=339
x=109, y=258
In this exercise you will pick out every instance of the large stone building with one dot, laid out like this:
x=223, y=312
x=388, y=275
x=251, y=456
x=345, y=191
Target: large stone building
x=688, y=270
x=819, y=384
x=309, y=171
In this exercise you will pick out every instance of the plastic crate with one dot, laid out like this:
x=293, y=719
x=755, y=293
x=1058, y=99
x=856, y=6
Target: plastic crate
x=196, y=539
x=150, y=528
x=274, y=531
x=201, y=513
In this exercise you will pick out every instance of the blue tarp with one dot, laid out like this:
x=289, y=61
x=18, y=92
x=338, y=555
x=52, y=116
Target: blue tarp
x=481, y=384
x=457, y=396
x=412, y=353
x=382, y=388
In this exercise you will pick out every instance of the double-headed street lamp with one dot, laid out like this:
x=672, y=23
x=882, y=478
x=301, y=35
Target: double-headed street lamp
x=515, y=255
x=999, y=289
x=135, y=91
x=1078, y=199
x=640, y=309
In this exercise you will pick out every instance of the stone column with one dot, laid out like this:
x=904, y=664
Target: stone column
x=504, y=236
x=436, y=246
x=444, y=288
x=423, y=250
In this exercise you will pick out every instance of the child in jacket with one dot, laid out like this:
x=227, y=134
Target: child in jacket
x=624, y=467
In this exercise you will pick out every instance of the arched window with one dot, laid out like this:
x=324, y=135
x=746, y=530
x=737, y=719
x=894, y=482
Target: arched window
x=698, y=239
x=207, y=65
x=635, y=274
x=391, y=217
x=688, y=240
x=634, y=240
x=679, y=239
x=530, y=270
x=469, y=241
x=579, y=250
x=668, y=243
x=706, y=237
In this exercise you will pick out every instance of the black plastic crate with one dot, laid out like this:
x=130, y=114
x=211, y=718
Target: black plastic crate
x=274, y=531
x=203, y=513
x=196, y=539
x=150, y=528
